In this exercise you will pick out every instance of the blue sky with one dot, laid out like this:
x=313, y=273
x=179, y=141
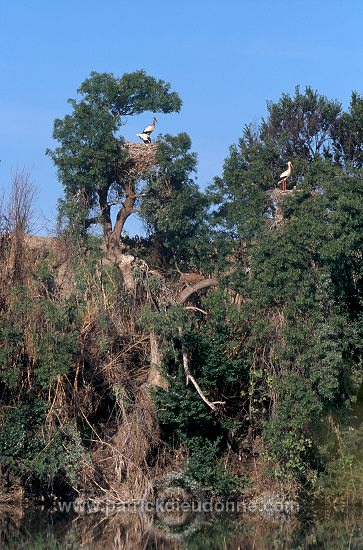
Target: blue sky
x=225, y=59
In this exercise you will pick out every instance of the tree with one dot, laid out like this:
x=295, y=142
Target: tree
x=94, y=167
x=302, y=296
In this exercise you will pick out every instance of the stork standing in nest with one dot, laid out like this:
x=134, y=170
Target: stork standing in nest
x=145, y=134
x=286, y=175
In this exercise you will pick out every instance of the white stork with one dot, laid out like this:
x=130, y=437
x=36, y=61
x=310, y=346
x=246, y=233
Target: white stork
x=286, y=175
x=145, y=134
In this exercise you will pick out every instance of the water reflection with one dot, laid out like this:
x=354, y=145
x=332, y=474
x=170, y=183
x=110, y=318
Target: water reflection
x=40, y=529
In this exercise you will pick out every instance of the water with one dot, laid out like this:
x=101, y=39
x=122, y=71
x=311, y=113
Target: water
x=40, y=529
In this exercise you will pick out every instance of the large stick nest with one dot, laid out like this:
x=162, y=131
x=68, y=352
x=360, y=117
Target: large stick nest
x=141, y=157
x=276, y=196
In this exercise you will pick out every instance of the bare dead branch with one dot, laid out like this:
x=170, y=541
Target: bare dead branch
x=188, y=291
x=193, y=308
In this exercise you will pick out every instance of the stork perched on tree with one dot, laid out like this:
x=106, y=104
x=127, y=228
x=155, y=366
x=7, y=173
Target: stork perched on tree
x=285, y=175
x=145, y=134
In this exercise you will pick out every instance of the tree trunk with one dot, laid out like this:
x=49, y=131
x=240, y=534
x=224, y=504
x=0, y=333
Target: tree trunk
x=156, y=378
x=123, y=262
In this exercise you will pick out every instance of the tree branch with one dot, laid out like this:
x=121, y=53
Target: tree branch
x=193, y=308
x=91, y=221
x=189, y=290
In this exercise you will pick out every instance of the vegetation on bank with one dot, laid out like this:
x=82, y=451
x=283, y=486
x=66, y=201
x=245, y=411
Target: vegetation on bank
x=224, y=345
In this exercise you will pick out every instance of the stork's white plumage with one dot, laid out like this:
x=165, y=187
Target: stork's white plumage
x=286, y=175
x=287, y=172
x=145, y=137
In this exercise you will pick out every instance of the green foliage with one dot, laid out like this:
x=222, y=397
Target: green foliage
x=39, y=345
x=242, y=203
x=348, y=134
x=341, y=453
x=205, y=466
x=302, y=126
x=41, y=334
x=174, y=209
x=132, y=94
x=288, y=431
x=184, y=417
x=63, y=454
x=56, y=345
x=28, y=452
x=18, y=444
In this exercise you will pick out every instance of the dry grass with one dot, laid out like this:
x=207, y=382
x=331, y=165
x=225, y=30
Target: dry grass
x=124, y=460
x=10, y=497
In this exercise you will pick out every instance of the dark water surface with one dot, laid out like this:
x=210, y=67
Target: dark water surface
x=41, y=529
